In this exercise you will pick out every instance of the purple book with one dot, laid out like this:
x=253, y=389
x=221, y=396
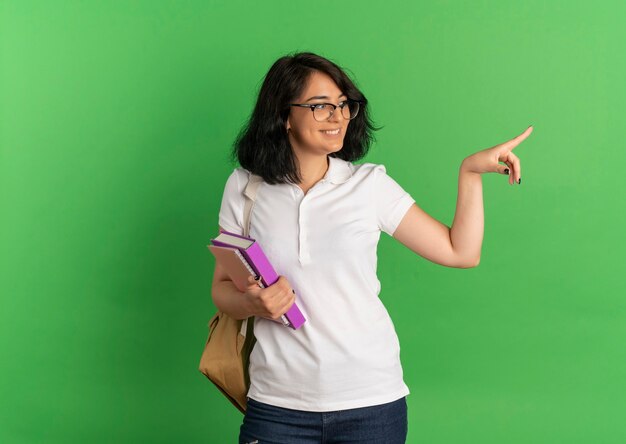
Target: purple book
x=252, y=252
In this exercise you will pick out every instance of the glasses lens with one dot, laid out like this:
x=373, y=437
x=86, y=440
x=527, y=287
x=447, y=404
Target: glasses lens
x=350, y=110
x=322, y=112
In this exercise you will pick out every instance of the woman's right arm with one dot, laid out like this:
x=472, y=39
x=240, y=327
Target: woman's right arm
x=226, y=297
x=270, y=303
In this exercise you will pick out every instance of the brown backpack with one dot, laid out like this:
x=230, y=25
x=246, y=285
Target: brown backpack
x=226, y=355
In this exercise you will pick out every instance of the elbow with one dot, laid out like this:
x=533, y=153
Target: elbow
x=214, y=299
x=216, y=296
x=470, y=264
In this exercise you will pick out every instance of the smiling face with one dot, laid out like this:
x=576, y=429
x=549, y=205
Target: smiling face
x=307, y=134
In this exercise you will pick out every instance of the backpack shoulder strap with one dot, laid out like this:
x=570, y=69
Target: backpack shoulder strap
x=250, y=192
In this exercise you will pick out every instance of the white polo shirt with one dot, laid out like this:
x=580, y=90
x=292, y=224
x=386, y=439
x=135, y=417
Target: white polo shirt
x=347, y=353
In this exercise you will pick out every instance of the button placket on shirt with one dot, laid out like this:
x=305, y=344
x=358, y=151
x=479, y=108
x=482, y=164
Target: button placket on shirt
x=304, y=255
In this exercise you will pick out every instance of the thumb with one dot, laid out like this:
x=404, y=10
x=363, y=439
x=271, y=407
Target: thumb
x=503, y=169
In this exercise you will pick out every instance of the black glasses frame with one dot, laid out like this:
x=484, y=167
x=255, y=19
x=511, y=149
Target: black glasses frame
x=313, y=105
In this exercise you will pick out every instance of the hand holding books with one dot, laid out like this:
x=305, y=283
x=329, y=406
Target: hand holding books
x=242, y=258
x=271, y=302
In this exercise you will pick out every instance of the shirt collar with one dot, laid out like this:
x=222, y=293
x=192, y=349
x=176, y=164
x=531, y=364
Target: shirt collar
x=339, y=170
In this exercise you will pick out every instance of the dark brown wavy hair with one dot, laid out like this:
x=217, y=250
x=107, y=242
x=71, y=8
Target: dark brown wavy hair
x=262, y=146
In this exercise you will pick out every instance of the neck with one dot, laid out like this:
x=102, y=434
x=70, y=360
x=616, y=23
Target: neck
x=313, y=167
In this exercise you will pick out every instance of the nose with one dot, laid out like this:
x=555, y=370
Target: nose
x=337, y=117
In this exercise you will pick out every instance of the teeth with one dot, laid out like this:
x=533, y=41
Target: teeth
x=331, y=132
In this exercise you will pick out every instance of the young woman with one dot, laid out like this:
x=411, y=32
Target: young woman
x=318, y=217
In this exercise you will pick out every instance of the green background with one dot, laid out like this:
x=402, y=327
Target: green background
x=116, y=119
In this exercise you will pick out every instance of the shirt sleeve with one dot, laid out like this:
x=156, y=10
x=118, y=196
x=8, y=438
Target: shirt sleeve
x=391, y=201
x=231, y=209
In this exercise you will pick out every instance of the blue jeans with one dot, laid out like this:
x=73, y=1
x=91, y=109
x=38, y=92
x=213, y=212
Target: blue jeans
x=380, y=424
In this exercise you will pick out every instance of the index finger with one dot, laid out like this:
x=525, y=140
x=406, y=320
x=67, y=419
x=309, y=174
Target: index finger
x=517, y=140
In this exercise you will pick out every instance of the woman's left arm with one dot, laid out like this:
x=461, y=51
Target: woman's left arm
x=466, y=234
x=460, y=246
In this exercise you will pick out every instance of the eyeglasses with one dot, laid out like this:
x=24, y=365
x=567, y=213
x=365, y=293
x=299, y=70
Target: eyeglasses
x=323, y=111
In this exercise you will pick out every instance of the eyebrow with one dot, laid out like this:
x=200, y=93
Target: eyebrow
x=324, y=97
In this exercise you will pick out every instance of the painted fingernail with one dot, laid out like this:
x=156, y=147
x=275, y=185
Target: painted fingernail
x=519, y=182
x=506, y=171
x=293, y=291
